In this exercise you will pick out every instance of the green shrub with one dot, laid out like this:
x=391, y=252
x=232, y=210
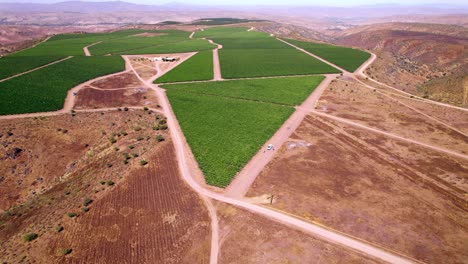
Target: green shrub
x=71, y=215
x=143, y=162
x=87, y=201
x=59, y=228
x=30, y=237
x=159, y=138
x=110, y=183
x=64, y=251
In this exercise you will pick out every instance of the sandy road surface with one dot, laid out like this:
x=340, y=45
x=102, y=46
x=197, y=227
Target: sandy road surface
x=216, y=66
x=242, y=182
x=180, y=145
x=191, y=35
x=35, y=69
x=250, y=29
x=165, y=106
x=86, y=50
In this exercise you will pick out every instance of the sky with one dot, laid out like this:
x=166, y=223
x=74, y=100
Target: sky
x=273, y=2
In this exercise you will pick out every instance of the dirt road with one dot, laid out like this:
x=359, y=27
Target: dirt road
x=86, y=50
x=349, y=122
x=216, y=66
x=187, y=172
x=35, y=69
x=242, y=182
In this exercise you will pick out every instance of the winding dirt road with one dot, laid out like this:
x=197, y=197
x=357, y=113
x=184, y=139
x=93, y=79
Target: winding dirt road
x=86, y=50
x=188, y=168
x=187, y=173
x=216, y=65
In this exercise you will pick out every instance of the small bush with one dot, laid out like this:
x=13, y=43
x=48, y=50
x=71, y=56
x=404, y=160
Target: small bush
x=71, y=215
x=102, y=182
x=162, y=121
x=124, y=133
x=85, y=209
x=110, y=183
x=109, y=165
x=112, y=140
x=137, y=128
x=116, y=149
x=87, y=201
x=125, y=109
x=145, y=108
x=143, y=162
x=59, y=228
x=64, y=251
x=159, y=138
x=30, y=237
x=131, y=147
x=135, y=155
x=140, y=138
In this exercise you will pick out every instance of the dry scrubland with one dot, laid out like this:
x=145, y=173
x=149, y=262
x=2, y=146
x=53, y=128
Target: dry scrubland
x=91, y=165
x=249, y=238
x=399, y=195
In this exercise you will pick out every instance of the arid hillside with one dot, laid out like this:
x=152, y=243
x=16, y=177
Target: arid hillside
x=426, y=59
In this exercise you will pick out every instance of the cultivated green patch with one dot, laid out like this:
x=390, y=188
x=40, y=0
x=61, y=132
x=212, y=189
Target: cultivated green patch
x=178, y=47
x=237, y=63
x=224, y=133
x=14, y=65
x=287, y=91
x=346, y=58
x=45, y=89
x=199, y=67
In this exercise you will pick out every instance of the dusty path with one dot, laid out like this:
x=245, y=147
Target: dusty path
x=214, y=252
x=86, y=50
x=188, y=171
x=250, y=29
x=385, y=94
x=216, y=66
x=242, y=182
x=191, y=35
x=352, y=123
x=35, y=69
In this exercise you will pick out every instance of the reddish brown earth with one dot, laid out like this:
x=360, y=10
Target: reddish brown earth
x=146, y=205
x=94, y=98
x=124, y=80
x=454, y=117
x=382, y=190
x=424, y=59
x=249, y=238
x=365, y=106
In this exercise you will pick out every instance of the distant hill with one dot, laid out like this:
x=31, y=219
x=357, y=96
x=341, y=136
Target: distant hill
x=311, y=11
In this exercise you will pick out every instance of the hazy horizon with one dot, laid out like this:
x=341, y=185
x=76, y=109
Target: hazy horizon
x=334, y=3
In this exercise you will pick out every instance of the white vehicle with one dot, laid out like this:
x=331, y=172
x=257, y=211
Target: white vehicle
x=270, y=147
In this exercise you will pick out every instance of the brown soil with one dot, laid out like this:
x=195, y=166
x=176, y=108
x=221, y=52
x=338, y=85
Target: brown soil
x=423, y=59
x=249, y=238
x=385, y=191
x=147, y=34
x=65, y=167
x=362, y=105
x=94, y=98
x=124, y=80
x=145, y=72
x=454, y=117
